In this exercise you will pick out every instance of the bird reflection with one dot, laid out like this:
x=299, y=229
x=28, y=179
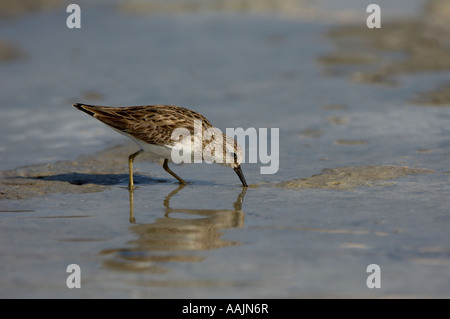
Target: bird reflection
x=178, y=236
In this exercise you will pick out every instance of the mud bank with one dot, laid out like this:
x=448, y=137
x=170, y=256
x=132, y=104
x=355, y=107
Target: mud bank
x=349, y=178
x=87, y=174
x=97, y=172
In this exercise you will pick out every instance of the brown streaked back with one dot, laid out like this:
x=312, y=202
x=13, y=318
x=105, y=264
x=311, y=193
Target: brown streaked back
x=152, y=124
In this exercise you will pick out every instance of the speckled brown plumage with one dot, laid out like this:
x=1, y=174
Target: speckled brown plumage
x=152, y=124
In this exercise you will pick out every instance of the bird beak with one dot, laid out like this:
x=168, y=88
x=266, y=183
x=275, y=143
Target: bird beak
x=239, y=173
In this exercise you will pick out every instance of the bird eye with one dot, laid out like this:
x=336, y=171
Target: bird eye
x=234, y=156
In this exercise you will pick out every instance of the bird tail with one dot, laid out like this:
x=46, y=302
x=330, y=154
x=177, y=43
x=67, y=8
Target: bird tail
x=89, y=109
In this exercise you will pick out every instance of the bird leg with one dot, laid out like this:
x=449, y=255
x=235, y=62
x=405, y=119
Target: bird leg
x=168, y=170
x=130, y=168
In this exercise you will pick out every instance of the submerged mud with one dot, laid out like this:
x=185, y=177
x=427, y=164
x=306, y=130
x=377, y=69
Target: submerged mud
x=12, y=8
x=410, y=46
x=439, y=97
x=9, y=51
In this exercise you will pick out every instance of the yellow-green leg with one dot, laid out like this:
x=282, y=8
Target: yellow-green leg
x=130, y=168
x=168, y=170
x=132, y=219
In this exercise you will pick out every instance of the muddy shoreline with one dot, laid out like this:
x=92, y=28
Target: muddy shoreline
x=95, y=173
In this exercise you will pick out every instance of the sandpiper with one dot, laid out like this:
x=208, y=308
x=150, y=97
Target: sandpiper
x=151, y=127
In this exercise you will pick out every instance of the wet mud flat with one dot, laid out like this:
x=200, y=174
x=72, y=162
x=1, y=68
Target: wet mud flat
x=95, y=173
x=309, y=231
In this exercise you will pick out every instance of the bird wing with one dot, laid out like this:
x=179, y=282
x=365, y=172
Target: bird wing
x=152, y=124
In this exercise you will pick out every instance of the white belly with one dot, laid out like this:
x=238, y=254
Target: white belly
x=156, y=151
x=165, y=152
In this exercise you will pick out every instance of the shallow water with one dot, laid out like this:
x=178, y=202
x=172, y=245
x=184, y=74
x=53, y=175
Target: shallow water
x=63, y=196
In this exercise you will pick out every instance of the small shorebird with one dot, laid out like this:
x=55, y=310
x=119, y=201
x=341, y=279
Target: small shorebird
x=151, y=127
